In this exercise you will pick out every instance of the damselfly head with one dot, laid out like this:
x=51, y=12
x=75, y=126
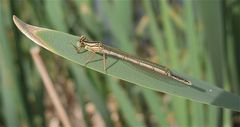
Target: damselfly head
x=77, y=47
x=80, y=44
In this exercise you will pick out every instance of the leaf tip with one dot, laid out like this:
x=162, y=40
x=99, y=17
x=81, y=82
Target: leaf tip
x=20, y=24
x=29, y=31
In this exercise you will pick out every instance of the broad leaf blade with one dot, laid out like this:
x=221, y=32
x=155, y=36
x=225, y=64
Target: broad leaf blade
x=61, y=43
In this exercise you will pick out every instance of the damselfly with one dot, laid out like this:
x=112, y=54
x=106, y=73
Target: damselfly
x=98, y=47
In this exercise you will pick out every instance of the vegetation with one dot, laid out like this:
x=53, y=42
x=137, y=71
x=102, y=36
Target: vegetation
x=197, y=38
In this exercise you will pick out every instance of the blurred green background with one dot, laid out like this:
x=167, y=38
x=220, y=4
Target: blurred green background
x=197, y=37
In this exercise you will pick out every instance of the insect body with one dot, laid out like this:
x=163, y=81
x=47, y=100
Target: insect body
x=98, y=47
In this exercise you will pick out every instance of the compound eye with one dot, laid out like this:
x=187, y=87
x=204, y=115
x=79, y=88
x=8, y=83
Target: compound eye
x=79, y=44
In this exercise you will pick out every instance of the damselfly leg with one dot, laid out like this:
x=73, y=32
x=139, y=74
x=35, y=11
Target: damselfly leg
x=90, y=58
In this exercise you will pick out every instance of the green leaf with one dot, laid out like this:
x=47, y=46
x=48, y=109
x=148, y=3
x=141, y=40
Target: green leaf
x=61, y=44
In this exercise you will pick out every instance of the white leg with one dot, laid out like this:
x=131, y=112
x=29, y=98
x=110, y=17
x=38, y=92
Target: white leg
x=90, y=57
